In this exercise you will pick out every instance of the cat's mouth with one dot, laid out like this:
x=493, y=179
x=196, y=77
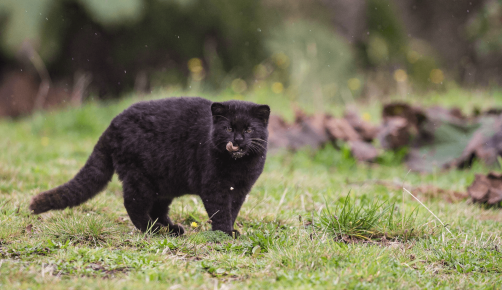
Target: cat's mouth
x=238, y=154
x=235, y=151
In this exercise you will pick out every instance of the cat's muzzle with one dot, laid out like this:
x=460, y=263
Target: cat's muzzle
x=235, y=151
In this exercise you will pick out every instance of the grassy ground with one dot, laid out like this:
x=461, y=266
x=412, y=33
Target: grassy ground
x=313, y=220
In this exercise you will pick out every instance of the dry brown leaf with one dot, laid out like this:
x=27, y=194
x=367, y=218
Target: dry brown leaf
x=367, y=131
x=394, y=133
x=341, y=129
x=486, y=188
x=363, y=151
x=29, y=229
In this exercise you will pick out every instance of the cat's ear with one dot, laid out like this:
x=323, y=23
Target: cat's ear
x=262, y=112
x=218, y=109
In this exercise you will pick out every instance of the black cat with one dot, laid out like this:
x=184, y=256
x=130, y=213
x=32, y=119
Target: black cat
x=167, y=148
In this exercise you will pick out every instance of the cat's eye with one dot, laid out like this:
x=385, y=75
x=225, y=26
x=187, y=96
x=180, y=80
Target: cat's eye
x=249, y=130
x=229, y=129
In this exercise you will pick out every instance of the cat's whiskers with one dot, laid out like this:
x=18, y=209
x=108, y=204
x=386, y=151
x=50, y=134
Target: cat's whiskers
x=258, y=139
x=251, y=148
x=205, y=142
x=256, y=143
x=256, y=149
x=259, y=145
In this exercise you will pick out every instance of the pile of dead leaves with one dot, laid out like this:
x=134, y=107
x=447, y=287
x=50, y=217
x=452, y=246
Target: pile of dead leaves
x=441, y=138
x=486, y=189
x=436, y=137
x=317, y=130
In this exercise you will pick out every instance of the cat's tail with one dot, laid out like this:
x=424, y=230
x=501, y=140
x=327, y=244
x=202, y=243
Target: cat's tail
x=89, y=181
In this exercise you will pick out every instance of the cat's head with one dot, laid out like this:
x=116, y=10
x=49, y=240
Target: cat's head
x=242, y=123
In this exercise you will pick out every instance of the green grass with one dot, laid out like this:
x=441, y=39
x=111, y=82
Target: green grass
x=373, y=221
x=78, y=228
x=300, y=226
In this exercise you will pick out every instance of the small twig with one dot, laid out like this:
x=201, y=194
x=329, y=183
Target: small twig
x=429, y=211
x=211, y=217
x=402, y=215
x=280, y=202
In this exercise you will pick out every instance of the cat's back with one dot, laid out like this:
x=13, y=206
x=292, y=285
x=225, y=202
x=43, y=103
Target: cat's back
x=168, y=108
x=152, y=124
x=165, y=114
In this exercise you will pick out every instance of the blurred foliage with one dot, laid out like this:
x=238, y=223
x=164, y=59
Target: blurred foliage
x=311, y=60
x=486, y=28
x=26, y=17
x=386, y=34
x=292, y=48
x=388, y=46
x=110, y=38
x=421, y=63
x=21, y=20
x=197, y=44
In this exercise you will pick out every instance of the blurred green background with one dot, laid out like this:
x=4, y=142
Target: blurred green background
x=316, y=52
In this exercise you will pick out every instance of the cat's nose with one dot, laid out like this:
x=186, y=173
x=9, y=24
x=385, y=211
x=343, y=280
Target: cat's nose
x=238, y=139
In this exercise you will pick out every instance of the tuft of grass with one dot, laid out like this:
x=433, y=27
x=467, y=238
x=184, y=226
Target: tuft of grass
x=12, y=223
x=210, y=237
x=369, y=220
x=90, y=228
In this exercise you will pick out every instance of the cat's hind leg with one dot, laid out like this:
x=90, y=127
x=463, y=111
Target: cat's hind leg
x=138, y=201
x=160, y=211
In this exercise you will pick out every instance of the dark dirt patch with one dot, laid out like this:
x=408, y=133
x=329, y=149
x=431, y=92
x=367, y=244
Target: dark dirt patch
x=107, y=272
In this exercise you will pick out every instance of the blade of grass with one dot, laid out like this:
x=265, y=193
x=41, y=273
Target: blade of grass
x=429, y=211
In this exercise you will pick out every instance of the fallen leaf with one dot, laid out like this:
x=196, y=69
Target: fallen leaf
x=363, y=151
x=486, y=188
x=341, y=129
x=29, y=228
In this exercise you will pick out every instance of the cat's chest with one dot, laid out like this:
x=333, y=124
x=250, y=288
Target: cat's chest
x=234, y=183
x=238, y=175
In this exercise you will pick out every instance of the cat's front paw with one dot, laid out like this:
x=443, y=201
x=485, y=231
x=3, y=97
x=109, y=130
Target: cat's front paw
x=176, y=230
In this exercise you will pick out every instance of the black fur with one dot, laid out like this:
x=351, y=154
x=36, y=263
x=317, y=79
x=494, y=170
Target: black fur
x=167, y=148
